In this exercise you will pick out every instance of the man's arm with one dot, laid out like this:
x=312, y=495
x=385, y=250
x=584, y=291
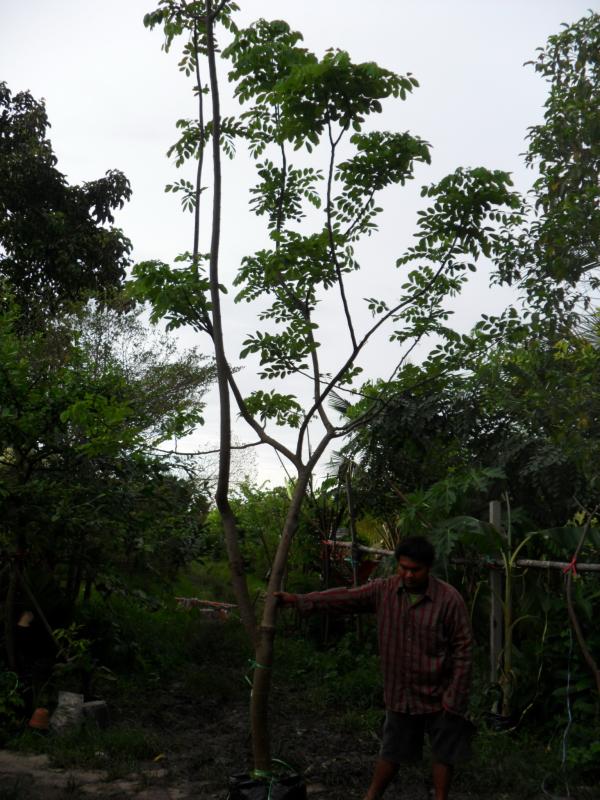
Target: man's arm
x=286, y=599
x=456, y=696
x=341, y=600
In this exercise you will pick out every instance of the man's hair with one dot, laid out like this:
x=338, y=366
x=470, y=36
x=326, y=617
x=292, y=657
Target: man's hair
x=418, y=548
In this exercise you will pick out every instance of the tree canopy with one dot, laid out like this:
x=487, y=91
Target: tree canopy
x=58, y=243
x=87, y=395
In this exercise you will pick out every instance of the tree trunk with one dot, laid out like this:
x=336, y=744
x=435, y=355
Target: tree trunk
x=240, y=585
x=74, y=582
x=9, y=620
x=354, y=551
x=259, y=704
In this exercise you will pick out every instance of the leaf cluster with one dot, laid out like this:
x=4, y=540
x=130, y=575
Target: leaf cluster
x=179, y=295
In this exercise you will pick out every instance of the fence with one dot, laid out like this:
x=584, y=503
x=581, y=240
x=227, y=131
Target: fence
x=500, y=627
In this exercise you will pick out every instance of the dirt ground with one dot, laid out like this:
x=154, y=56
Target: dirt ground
x=206, y=743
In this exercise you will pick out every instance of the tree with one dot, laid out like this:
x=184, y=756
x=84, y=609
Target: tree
x=85, y=496
x=299, y=102
x=58, y=243
x=525, y=396
x=527, y=408
x=560, y=235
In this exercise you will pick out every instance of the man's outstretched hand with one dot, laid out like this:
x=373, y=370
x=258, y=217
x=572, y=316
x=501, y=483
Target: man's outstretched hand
x=285, y=599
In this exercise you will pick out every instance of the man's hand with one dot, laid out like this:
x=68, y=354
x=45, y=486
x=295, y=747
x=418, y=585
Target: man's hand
x=285, y=599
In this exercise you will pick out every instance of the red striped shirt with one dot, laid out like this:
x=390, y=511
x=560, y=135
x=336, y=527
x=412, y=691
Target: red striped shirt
x=425, y=647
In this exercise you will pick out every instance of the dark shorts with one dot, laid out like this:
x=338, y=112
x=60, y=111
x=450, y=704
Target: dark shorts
x=449, y=736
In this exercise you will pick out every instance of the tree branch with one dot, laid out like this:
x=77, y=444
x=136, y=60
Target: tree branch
x=355, y=352
x=280, y=199
x=256, y=427
x=200, y=152
x=218, y=10
x=352, y=226
x=223, y=370
x=333, y=143
x=206, y=452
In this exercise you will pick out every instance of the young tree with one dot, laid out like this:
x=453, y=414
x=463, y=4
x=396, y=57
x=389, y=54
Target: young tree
x=296, y=102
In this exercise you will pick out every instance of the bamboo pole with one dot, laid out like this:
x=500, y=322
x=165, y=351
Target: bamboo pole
x=493, y=563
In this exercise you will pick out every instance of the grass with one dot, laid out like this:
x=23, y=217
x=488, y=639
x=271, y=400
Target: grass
x=116, y=750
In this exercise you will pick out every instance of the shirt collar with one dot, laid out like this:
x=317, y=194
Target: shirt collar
x=431, y=592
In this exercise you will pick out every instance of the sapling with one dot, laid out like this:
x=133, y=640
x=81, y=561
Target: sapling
x=320, y=169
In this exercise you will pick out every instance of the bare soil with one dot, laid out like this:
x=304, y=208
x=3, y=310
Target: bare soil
x=203, y=743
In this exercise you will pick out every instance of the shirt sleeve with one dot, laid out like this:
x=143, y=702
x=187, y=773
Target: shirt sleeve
x=456, y=695
x=341, y=600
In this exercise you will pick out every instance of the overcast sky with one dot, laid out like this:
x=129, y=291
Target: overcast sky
x=113, y=98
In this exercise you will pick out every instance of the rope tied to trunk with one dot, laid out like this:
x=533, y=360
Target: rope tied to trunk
x=269, y=775
x=253, y=665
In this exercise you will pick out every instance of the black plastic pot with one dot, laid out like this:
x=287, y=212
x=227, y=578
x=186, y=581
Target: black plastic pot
x=498, y=722
x=244, y=787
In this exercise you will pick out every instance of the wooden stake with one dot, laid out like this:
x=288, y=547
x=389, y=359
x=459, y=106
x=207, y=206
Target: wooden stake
x=495, y=517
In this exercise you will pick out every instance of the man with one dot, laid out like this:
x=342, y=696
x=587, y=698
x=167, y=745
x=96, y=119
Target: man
x=425, y=642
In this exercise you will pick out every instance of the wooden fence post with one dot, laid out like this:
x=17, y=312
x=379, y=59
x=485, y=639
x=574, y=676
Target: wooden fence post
x=495, y=516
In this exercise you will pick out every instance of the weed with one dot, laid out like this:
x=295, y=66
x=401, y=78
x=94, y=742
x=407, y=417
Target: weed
x=355, y=721
x=347, y=675
x=28, y=741
x=218, y=685
x=212, y=581
x=11, y=702
x=15, y=790
x=72, y=790
x=505, y=763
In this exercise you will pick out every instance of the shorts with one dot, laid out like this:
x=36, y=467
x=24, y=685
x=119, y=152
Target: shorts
x=449, y=736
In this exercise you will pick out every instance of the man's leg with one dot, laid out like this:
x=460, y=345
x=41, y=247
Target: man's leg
x=450, y=736
x=442, y=778
x=383, y=774
x=402, y=741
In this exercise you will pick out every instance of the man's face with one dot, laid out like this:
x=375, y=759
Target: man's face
x=415, y=575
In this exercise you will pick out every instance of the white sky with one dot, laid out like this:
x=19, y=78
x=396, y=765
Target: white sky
x=113, y=98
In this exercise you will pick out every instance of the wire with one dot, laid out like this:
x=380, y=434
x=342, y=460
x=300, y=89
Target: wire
x=567, y=728
x=569, y=714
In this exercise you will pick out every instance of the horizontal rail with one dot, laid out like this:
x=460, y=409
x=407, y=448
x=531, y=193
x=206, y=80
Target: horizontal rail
x=531, y=563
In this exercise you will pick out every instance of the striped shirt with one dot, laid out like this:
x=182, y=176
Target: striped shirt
x=425, y=647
